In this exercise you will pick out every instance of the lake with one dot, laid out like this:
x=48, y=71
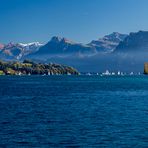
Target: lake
x=74, y=111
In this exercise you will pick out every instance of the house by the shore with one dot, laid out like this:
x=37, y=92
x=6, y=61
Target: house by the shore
x=146, y=68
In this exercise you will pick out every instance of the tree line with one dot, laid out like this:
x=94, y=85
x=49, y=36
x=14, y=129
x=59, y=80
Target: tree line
x=28, y=67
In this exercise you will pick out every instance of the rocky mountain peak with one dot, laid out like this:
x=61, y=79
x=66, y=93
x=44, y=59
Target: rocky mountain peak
x=57, y=39
x=109, y=42
x=137, y=41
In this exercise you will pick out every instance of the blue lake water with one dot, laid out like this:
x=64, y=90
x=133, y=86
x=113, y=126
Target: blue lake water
x=73, y=111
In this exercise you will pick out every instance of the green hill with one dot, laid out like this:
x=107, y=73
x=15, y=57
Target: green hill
x=31, y=68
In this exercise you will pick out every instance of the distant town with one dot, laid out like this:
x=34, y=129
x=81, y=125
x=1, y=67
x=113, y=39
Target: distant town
x=109, y=73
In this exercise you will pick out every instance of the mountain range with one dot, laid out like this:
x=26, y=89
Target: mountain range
x=58, y=46
x=114, y=51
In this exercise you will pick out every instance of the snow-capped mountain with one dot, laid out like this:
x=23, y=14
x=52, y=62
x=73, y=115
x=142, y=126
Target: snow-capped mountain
x=18, y=50
x=30, y=47
x=108, y=43
x=37, y=44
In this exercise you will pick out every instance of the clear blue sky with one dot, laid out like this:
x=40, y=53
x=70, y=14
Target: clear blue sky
x=78, y=20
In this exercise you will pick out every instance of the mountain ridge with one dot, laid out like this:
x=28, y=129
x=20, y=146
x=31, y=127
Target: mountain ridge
x=135, y=41
x=59, y=46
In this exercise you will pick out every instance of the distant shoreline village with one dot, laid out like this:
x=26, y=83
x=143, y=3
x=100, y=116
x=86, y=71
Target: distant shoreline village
x=108, y=73
x=28, y=67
